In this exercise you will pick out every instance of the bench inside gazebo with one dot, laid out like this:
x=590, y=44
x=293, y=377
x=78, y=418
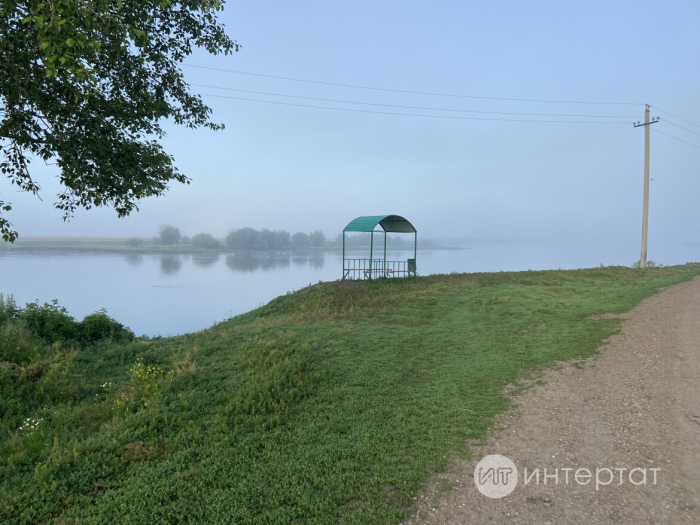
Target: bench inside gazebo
x=376, y=266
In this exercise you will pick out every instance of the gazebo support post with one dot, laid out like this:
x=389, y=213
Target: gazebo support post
x=385, y=252
x=371, y=247
x=343, y=254
x=415, y=252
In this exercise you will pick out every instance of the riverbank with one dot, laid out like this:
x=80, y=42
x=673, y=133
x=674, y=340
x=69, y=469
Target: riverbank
x=333, y=403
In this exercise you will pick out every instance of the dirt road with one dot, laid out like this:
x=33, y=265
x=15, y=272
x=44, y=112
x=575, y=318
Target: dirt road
x=635, y=406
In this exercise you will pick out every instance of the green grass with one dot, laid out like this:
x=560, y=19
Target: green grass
x=334, y=404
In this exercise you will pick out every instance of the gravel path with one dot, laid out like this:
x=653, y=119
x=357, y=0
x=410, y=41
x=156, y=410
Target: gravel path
x=635, y=406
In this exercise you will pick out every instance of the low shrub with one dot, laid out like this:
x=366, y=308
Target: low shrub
x=56, y=382
x=8, y=308
x=17, y=342
x=24, y=330
x=50, y=322
x=98, y=326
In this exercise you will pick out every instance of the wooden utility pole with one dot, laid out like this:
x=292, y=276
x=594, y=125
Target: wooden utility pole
x=645, y=213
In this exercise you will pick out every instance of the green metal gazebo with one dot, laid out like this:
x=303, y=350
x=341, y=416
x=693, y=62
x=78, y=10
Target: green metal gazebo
x=374, y=267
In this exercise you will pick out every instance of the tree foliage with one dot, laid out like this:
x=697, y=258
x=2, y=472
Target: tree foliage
x=317, y=239
x=251, y=239
x=248, y=238
x=205, y=241
x=85, y=84
x=242, y=238
x=300, y=240
x=168, y=235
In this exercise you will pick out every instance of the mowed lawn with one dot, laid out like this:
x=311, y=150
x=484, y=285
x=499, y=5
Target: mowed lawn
x=333, y=404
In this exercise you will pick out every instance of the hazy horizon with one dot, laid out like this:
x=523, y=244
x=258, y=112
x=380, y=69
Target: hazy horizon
x=280, y=166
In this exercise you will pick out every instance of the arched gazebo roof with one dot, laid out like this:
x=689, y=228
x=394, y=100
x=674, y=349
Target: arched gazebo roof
x=390, y=223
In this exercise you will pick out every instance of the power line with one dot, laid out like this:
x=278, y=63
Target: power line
x=408, y=107
x=674, y=124
x=354, y=86
x=671, y=136
x=411, y=114
x=675, y=116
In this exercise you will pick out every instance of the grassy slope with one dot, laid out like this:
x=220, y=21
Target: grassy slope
x=332, y=404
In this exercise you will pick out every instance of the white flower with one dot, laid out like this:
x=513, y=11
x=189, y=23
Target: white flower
x=30, y=424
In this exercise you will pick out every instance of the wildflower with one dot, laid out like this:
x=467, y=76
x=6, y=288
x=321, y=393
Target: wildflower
x=30, y=424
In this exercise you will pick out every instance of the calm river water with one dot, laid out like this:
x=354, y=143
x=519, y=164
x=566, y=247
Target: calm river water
x=168, y=294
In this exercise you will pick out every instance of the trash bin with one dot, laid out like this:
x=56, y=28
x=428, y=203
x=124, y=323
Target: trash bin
x=411, y=266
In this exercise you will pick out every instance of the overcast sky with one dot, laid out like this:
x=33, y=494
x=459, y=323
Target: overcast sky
x=295, y=168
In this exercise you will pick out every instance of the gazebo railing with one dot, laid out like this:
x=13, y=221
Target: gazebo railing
x=377, y=268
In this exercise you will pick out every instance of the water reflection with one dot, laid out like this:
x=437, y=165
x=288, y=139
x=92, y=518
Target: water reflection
x=170, y=264
x=313, y=260
x=299, y=261
x=317, y=260
x=252, y=261
x=133, y=259
x=205, y=261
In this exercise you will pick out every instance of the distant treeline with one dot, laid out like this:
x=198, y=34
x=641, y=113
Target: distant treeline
x=252, y=239
x=243, y=238
x=249, y=238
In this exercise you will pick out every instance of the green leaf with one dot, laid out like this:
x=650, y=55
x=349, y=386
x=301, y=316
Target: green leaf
x=89, y=74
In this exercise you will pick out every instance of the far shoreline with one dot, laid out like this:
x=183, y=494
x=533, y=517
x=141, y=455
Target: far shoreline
x=117, y=245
